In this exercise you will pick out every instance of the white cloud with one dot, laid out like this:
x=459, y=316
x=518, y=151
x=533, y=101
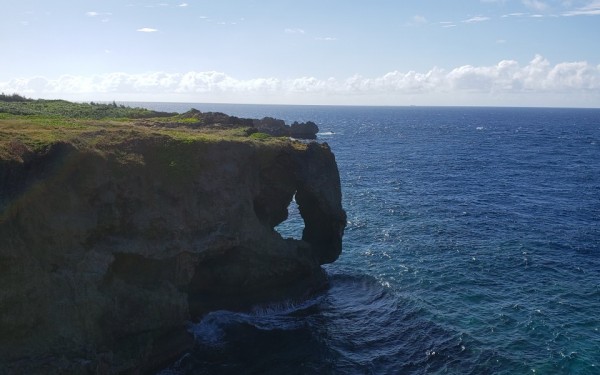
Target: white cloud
x=476, y=19
x=147, y=30
x=294, y=31
x=569, y=83
x=592, y=9
x=417, y=20
x=159, y=5
x=537, y=5
x=537, y=76
x=575, y=74
x=183, y=5
x=97, y=14
x=326, y=38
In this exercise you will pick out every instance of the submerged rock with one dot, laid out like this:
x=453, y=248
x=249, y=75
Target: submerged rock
x=106, y=254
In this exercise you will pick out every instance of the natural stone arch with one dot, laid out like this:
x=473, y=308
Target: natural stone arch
x=313, y=179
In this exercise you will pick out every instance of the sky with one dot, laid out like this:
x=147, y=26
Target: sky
x=340, y=52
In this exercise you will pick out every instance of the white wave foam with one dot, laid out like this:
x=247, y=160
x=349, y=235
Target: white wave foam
x=211, y=330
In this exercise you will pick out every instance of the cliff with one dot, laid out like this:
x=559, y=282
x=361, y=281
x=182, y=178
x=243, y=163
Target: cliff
x=113, y=236
x=275, y=127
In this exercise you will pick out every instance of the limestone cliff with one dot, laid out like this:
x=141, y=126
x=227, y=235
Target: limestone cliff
x=107, y=252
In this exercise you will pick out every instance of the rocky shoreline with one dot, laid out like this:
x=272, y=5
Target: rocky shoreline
x=107, y=252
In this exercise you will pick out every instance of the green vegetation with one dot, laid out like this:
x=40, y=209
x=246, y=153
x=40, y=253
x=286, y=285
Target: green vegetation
x=260, y=136
x=13, y=98
x=18, y=105
x=31, y=126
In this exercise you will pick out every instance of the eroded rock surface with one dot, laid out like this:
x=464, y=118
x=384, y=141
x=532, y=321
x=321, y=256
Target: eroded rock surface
x=104, y=256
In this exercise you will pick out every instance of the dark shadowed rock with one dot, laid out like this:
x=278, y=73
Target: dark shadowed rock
x=103, y=260
x=272, y=126
x=278, y=128
x=216, y=119
x=305, y=130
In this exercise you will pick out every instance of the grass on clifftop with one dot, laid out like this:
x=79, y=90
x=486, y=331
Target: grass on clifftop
x=18, y=105
x=32, y=125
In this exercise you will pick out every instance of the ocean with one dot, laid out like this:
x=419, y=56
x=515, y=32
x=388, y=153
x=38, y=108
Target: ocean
x=472, y=247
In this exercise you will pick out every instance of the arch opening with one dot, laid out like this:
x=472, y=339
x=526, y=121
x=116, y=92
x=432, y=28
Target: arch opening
x=293, y=226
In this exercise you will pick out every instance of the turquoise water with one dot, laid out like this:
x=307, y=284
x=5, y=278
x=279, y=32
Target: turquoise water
x=472, y=247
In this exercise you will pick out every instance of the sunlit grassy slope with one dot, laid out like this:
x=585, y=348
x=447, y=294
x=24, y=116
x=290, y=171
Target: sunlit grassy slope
x=32, y=125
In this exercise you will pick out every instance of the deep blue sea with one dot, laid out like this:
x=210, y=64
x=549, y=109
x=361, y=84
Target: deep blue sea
x=472, y=247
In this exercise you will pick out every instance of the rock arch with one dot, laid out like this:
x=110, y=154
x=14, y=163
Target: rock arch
x=312, y=178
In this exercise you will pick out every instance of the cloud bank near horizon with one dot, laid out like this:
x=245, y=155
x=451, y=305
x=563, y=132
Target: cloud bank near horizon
x=507, y=80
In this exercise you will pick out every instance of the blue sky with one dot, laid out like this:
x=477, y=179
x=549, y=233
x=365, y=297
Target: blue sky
x=380, y=52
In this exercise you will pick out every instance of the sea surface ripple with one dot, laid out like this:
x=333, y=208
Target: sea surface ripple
x=472, y=247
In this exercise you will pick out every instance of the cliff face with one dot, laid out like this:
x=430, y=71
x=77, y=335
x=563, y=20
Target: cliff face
x=105, y=255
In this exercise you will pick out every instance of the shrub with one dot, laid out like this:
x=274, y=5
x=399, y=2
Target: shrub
x=259, y=135
x=13, y=98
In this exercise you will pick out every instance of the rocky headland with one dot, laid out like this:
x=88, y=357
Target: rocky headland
x=115, y=234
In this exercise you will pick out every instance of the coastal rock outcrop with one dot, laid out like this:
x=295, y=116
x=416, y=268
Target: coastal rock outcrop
x=105, y=254
x=304, y=130
x=268, y=125
x=278, y=128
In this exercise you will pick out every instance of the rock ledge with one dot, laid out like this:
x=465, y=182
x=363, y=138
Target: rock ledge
x=105, y=257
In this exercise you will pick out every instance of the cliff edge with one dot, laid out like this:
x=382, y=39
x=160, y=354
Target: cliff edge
x=113, y=239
